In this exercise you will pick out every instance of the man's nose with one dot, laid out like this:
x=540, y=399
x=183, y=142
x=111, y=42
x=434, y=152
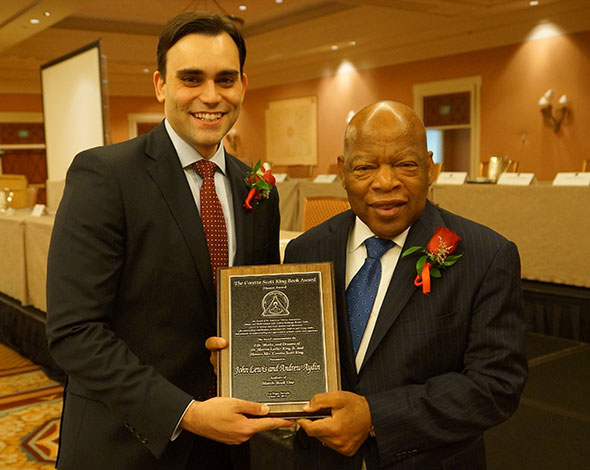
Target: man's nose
x=386, y=178
x=209, y=92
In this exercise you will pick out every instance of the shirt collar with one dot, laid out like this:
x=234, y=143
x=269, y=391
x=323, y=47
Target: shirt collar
x=360, y=232
x=188, y=155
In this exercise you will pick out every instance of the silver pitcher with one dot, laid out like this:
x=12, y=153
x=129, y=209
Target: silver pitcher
x=6, y=196
x=496, y=166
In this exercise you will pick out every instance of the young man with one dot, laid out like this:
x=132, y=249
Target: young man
x=132, y=264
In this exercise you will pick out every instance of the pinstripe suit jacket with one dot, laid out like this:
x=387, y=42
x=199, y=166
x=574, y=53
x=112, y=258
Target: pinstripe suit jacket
x=440, y=368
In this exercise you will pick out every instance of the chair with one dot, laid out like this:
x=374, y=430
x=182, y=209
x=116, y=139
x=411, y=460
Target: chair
x=17, y=184
x=585, y=165
x=294, y=171
x=55, y=190
x=318, y=209
x=32, y=194
x=512, y=166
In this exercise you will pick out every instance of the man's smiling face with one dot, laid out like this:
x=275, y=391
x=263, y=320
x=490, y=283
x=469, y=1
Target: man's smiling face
x=386, y=168
x=203, y=89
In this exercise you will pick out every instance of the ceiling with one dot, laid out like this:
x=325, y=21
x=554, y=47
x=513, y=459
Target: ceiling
x=287, y=42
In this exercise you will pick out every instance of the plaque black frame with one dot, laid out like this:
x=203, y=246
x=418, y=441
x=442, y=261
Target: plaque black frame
x=275, y=360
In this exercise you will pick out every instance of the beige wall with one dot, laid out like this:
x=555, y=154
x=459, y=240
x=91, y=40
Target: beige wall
x=119, y=108
x=513, y=79
x=20, y=103
x=122, y=106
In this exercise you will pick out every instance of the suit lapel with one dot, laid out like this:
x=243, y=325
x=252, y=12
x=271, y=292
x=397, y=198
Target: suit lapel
x=401, y=287
x=164, y=168
x=335, y=246
x=243, y=219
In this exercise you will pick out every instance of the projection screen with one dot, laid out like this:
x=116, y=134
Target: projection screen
x=72, y=107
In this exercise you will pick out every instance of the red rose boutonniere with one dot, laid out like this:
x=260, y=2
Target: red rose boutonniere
x=437, y=254
x=260, y=183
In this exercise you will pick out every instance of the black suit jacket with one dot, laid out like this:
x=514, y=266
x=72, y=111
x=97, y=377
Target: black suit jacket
x=131, y=301
x=440, y=368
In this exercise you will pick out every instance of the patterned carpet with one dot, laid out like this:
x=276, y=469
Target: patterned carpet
x=30, y=407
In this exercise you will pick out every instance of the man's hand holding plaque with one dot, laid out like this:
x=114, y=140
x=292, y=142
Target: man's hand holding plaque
x=347, y=428
x=229, y=416
x=214, y=344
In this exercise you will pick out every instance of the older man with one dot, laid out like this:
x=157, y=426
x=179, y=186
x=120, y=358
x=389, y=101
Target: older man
x=425, y=369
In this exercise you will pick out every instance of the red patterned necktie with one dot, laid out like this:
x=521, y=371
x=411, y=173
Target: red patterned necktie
x=215, y=230
x=212, y=217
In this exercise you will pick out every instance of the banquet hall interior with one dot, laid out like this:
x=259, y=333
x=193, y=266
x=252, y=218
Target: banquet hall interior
x=503, y=87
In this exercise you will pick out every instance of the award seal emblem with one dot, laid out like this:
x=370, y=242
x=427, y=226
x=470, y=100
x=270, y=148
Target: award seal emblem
x=275, y=304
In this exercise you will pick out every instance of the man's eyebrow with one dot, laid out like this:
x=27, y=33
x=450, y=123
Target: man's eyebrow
x=190, y=72
x=198, y=72
x=229, y=73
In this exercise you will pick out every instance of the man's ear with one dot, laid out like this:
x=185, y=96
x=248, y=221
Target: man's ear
x=244, y=84
x=430, y=168
x=340, y=170
x=160, y=86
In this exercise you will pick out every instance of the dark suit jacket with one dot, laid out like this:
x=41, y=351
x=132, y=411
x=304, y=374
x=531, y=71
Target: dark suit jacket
x=131, y=301
x=440, y=368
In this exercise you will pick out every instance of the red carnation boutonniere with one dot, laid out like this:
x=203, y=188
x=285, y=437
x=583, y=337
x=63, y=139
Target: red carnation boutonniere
x=437, y=254
x=260, y=183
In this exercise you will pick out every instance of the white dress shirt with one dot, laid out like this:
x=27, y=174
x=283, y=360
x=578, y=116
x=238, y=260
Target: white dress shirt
x=355, y=257
x=188, y=156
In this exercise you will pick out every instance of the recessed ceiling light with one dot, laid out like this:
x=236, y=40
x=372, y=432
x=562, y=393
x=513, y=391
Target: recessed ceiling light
x=334, y=47
x=47, y=13
x=345, y=67
x=352, y=43
x=146, y=70
x=243, y=7
x=35, y=21
x=533, y=3
x=278, y=1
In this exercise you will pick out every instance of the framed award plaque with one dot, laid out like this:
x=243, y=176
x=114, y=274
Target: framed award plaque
x=280, y=323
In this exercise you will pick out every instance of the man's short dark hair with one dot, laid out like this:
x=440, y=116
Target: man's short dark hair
x=197, y=22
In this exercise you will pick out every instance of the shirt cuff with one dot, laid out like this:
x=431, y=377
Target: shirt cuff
x=178, y=429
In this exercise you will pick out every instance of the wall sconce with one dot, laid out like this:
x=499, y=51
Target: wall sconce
x=547, y=109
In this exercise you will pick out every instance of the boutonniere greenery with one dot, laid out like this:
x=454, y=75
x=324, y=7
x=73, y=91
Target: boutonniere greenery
x=437, y=255
x=259, y=183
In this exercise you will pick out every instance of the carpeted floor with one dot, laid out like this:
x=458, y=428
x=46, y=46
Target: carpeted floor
x=30, y=407
x=551, y=428
x=549, y=431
